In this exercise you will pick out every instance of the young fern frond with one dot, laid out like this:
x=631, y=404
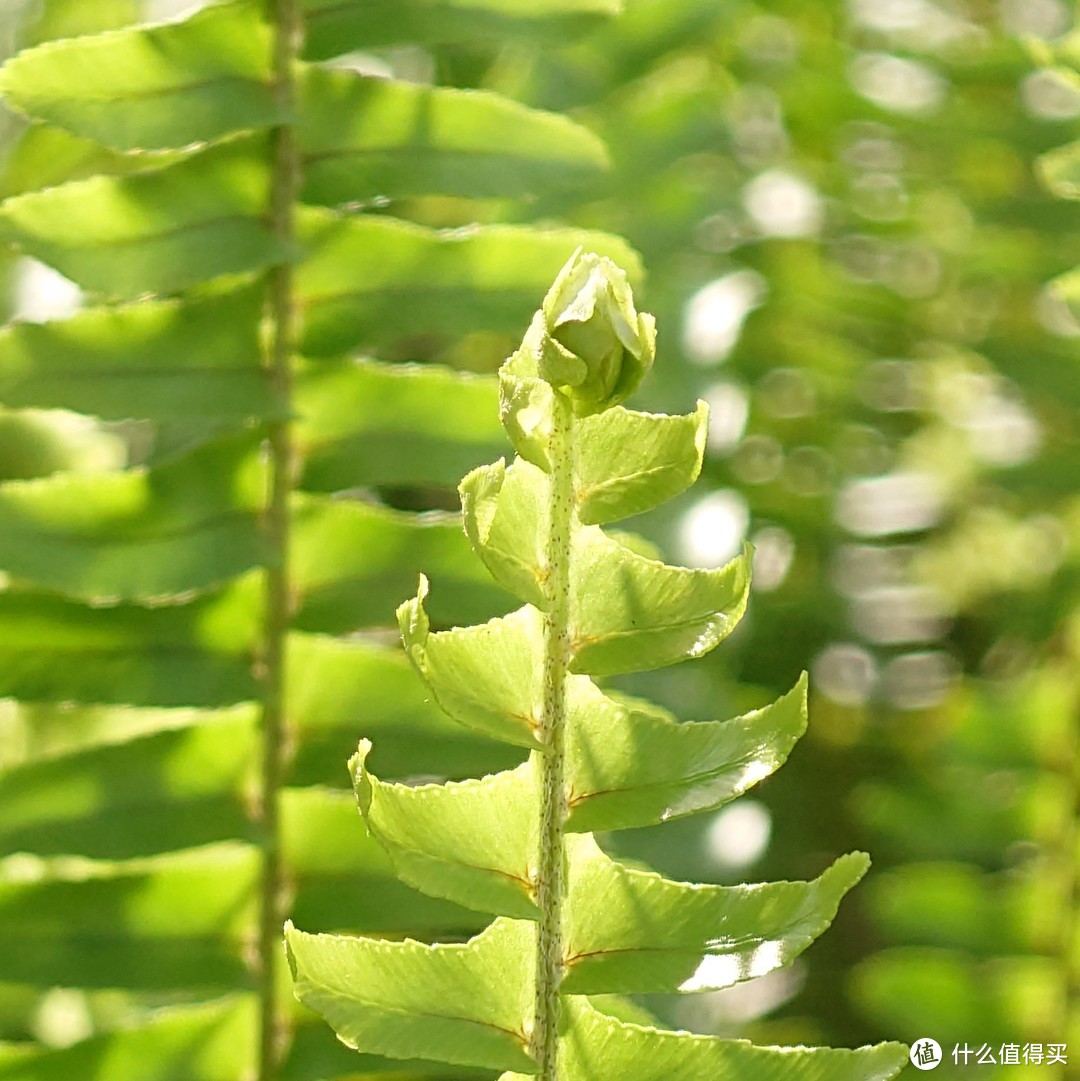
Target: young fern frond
x=571, y=922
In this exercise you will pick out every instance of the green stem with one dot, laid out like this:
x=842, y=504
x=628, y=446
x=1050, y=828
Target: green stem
x=550, y=887
x=280, y=325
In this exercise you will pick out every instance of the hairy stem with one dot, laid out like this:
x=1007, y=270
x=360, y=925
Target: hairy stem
x=549, y=894
x=280, y=320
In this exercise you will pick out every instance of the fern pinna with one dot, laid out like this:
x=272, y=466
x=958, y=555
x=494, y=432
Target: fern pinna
x=571, y=922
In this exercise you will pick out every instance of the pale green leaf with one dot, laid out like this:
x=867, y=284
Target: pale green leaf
x=526, y=407
x=629, y=613
x=338, y=688
x=595, y=1047
x=315, y=1054
x=71, y=18
x=152, y=87
x=212, y=1042
x=634, y=931
x=35, y=443
x=343, y=878
x=171, y=789
x=505, y=512
x=465, y=1004
x=158, y=359
x=473, y=841
x=175, y=921
x=486, y=677
x=365, y=138
x=199, y=654
x=370, y=281
x=140, y=534
x=35, y=731
x=339, y=26
x=361, y=422
x=629, y=765
x=352, y=562
x=43, y=156
x=630, y=462
x=154, y=232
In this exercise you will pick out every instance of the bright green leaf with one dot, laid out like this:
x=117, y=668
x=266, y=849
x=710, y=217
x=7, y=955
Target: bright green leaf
x=370, y=281
x=34, y=443
x=465, y=1004
x=172, y=789
x=154, y=232
x=137, y=535
x=629, y=613
x=471, y=841
x=199, y=654
x=365, y=138
x=367, y=423
x=352, y=561
x=71, y=18
x=343, y=878
x=595, y=1047
x=43, y=156
x=629, y=765
x=634, y=931
x=503, y=512
x=630, y=462
x=175, y=921
x=158, y=359
x=152, y=87
x=486, y=677
x=212, y=1042
x=338, y=688
x=335, y=27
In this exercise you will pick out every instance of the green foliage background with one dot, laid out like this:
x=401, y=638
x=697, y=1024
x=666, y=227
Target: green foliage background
x=900, y=326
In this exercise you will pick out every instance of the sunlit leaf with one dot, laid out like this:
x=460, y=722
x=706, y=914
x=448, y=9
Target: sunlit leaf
x=172, y=789
x=593, y=1046
x=630, y=462
x=163, y=359
x=213, y=1042
x=630, y=930
x=174, y=921
x=158, y=232
x=192, y=655
x=344, y=879
x=367, y=423
x=629, y=613
x=352, y=561
x=365, y=138
x=372, y=280
x=630, y=765
x=503, y=513
x=141, y=534
x=35, y=443
x=471, y=841
x=334, y=27
x=152, y=87
x=466, y=1004
x=485, y=677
